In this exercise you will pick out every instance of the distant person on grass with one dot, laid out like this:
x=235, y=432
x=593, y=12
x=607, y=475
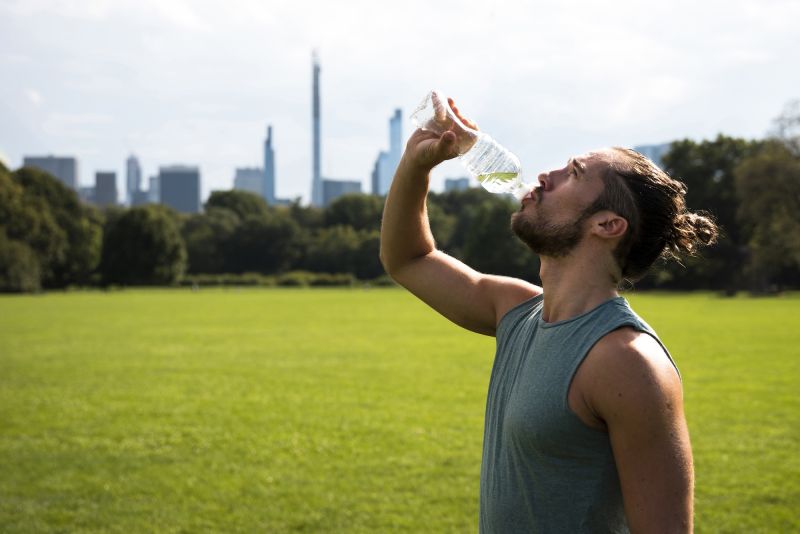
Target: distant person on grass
x=585, y=429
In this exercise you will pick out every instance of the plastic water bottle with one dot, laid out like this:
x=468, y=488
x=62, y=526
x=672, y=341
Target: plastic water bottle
x=496, y=168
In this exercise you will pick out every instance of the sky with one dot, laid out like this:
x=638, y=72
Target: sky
x=197, y=82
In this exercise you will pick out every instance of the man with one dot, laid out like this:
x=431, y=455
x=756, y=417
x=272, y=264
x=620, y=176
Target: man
x=585, y=430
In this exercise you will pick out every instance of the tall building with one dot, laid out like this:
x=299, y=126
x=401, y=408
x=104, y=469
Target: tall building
x=63, y=168
x=268, y=187
x=86, y=193
x=653, y=152
x=179, y=187
x=249, y=179
x=316, y=178
x=333, y=189
x=380, y=174
x=105, y=188
x=386, y=163
x=395, y=139
x=140, y=198
x=456, y=184
x=154, y=190
x=133, y=178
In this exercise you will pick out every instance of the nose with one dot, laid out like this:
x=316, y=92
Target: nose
x=544, y=180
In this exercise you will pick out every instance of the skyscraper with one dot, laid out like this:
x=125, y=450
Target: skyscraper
x=133, y=179
x=65, y=169
x=333, y=189
x=456, y=184
x=268, y=186
x=179, y=187
x=154, y=190
x=395, y=139
x=250, y=179
x=105, y=188
x=380, y=174
x=316, y=179
x=386, y=163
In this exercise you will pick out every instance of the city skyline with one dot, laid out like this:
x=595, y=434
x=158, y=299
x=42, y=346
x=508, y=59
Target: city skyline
x=196, y=82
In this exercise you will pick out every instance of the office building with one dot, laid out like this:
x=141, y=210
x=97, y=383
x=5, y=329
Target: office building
x=86, y=193
x=249, y=179
x=380, y=172
x=153, y=190
x=316, y=176
x=653, y=152
x=456, y=184
x=105, y=188
x=268, y=186
x=395, y=139
x=179, y=188
x=386, y=162
x=140, y=198
x=133, y=178
x=63, y=168
x=333, y=189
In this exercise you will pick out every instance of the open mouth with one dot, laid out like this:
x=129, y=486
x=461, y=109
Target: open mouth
x=534, y=194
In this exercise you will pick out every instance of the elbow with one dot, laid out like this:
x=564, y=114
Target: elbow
x=387, y=264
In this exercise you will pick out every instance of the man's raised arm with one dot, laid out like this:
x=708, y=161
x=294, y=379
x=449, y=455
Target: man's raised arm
x=408, y=252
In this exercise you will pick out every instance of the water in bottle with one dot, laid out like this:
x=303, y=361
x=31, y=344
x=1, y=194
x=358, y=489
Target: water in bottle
x=496, y=168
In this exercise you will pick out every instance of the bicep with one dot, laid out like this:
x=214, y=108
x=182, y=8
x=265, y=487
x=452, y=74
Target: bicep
x=471, y=299
x=643, y=410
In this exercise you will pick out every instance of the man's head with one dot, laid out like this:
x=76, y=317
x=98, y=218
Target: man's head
x=622, y=202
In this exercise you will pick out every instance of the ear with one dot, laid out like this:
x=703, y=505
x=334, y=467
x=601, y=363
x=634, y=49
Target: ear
x=608, y=225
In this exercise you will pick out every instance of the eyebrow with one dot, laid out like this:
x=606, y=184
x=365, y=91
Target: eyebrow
x=578, y=165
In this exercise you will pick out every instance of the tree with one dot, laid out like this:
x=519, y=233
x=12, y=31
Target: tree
x=310, y=218
x=768, y=186
x=243, y=203
x=65, y=236
x=787, y=126
x=206, y=235
x=367, y=262
x=361, y=212
x=19, y=266
x=333, y=250
x=269, y=243
x=492, y=247
x=707, y=169
x=142, y=246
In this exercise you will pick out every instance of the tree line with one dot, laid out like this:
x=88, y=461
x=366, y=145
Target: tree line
x=49, y=239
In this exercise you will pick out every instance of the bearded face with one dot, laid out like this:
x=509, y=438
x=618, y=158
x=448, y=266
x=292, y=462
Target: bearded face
x=543, y=236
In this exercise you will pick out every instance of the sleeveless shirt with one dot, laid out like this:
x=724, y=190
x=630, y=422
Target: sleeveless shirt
x=543, y=469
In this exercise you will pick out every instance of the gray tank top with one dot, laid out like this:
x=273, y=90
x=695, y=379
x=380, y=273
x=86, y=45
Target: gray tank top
x=543, y=469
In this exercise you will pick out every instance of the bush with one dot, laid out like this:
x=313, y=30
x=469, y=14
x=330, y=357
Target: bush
x=19, y=266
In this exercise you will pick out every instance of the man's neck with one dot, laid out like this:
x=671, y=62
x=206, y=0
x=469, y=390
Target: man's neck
x=574, y=285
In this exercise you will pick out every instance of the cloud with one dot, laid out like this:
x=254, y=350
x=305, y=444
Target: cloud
x=75, y=125
x=34, y=97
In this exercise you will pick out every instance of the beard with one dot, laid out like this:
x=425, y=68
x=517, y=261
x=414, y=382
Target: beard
x=546, y=238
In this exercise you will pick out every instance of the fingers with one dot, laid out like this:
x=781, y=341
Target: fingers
x=439, y=109
x=468, y=123
x=443, y=148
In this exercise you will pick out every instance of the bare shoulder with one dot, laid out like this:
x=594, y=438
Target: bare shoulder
x=636, y=391
x=629, y=369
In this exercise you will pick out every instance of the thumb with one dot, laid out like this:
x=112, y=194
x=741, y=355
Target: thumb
x=445, y=147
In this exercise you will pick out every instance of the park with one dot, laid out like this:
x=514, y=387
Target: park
x=333, y=410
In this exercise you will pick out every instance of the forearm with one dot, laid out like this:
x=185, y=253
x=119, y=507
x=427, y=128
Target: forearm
x=405, y=230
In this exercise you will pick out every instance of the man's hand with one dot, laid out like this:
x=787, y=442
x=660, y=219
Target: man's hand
x=427, y=148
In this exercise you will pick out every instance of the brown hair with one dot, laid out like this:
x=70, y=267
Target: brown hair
x=659, y=226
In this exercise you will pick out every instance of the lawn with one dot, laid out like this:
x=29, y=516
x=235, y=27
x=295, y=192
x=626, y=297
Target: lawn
x=336, y=411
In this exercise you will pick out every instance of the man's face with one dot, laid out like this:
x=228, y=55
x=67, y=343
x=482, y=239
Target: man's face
x=551, y=219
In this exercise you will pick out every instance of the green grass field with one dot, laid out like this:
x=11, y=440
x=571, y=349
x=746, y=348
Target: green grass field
x=336, y=411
